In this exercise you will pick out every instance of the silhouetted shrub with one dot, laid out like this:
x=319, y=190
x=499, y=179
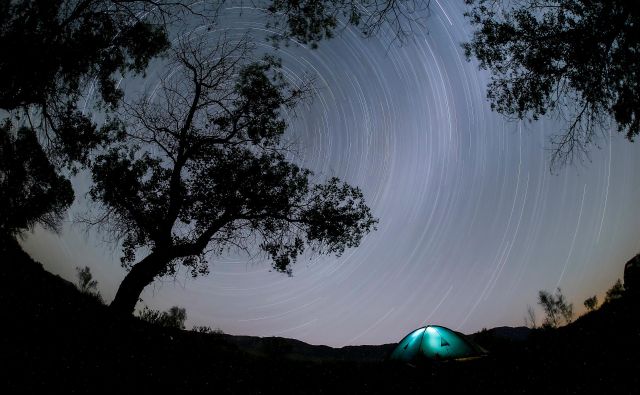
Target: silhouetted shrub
x=207, y=330
x=173, y=318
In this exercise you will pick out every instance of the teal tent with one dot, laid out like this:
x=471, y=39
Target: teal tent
x=434, y=342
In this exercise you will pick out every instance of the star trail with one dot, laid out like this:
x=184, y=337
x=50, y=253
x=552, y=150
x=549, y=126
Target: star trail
x=472, y=221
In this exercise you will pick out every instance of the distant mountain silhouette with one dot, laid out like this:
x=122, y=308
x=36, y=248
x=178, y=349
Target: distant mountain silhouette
x=519, y=333
x=296, y=349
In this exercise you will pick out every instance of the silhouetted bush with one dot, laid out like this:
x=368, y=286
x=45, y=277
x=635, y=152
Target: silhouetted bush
x=207, y=330
x=173, y=318
x=591, y=303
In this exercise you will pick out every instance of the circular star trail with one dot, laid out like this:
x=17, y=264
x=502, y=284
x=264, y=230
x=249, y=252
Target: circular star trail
x=472, y=222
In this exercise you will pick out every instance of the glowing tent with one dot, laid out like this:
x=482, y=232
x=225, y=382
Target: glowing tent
x=434, y=342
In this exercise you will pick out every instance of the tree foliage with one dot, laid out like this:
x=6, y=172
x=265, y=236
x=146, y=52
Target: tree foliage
x=578, y=59
x=311, y=21
x=62, y=49
x=202, y=169
x=59, y=44
x=87, y=284
x=530, y=320
x=58, y=47
x=557, y=310
x=615, y=292
x=591, y=303
x=31, y=192
x=52, y=51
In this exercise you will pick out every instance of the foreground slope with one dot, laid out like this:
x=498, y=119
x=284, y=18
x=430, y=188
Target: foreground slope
x=57, y=339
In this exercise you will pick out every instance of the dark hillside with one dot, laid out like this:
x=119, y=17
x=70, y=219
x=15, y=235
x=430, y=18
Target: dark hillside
x=56, y=339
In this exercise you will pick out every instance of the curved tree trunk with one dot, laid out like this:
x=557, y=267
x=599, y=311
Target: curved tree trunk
x=141, y=275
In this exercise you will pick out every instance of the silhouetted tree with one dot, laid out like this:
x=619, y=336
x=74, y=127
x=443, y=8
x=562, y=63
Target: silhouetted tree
x=576, y=58
x=310, y=21
x=31, y=192
x=591, y=303
x=55, y=49
x=51, y=50
x=530, y=320
x=57, y=44
x=615, y=292
x=202, y=168
x=86, y=283
x=556, y=308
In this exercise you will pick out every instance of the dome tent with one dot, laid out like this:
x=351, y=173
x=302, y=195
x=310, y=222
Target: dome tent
x=433, y=342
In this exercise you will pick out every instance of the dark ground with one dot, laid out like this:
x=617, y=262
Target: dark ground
x=56, y=340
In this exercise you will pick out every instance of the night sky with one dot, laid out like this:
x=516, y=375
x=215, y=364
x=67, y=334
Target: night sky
x=472, y=222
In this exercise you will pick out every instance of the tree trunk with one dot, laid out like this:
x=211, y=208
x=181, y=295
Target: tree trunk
x=141, y=275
